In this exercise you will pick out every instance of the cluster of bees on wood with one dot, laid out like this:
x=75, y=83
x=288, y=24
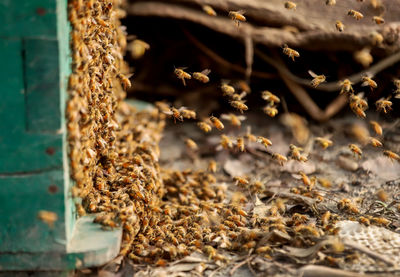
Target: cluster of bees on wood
x=167, y=214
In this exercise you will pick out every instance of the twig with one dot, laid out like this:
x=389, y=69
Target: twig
x=249, y=55
x=239, y=265
x=318, y=270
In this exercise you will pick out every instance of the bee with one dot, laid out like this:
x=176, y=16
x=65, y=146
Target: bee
x=125, y=82
x=226, y=142
x=271, y=111
x=309, y=183
x=238, y=97
x=396, y=82
x=137, y=48
x=324, y=142
x=243, y=86
x=202, y=76
x=295, y=153
x=346, y=86
x=346, y=205
x=240, y=144
x=188, y=114
x=270, y=97
x=48, y=217
x=375, y=142
x=364, y=57
x=263, y=249
x=235, y=120
x=209, y=10
x=212, y=166
x=217, y=123
x=378, y=20
x=279, y=158
x=290, y=5
x=364, y=220
x=355, y=149
x=291, y=53
x=391, y=155
x=325, y=218
x=318, y=79
x=324, y=182
x=237, y=17
x=175, y=113
x=249, y=245
x=376, y=38
x=376, y=4
x=357, y=15
x=249, y=136
x=191, y=144
x=367, y=81
x=181, y=74
x=205, y=127
x=227, y=90
x=339, y=26
x=264, y=141
x=377, y=128
x=382, y=195
x=310, y=230
x=330, y=2
x=384, y=105
x=381, y=221
x=239, y=105
x=241, y=180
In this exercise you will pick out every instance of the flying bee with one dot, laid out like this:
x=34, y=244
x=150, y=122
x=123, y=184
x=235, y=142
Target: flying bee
x=364, y=57
x=212, y=166
x=249, y=136
x=295, y=153
x=181, y=74
x=391, y=155
x=240, y=180
x=367, y=81
x=226, y=142
x=137, y=48
x=376, y=38
x=125, y=82
x=217, y=123
x=357, y=15
x=330, y=2
x=240, y=144
x=238, y=97
x=243, y=86
x=291, y=53
x=175, y=113
x=384, y=105
x=264, y=141
x=191, y=144
x=205, y=127
x=355, y=149
x=270, y=97
x=209, y=10
x=188, y=114
x=378, y=20
x=309, y=183
x=279, y=158
x=339, y=26
x=48, y=217
x=375, y=142
x=346, y=86
x=227, y=90
x=377, y=128
x=318, y=79
x=271, y=111
x=239, y=105
x=202, y=76
x=235, y=120
x=237, y=17
x=324, y=142
x=290, y=5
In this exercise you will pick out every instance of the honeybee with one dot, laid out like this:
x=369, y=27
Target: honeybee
x=339, y=26
x=364, y=220
x=202, y=76
x=217, y=123
x=367, y=81
x=137, y=48
x=290, y=5
x=191, y=144
x=125, y=82
x=249, y=136
x=212, y=166
x=238, y=97
x=264, y=141
x=355, y=149
x=396, y=82
x=357, y=15
x=239, y=105
x=240, y=180
x=240, y=144
x=391, y=155
x=375, y=142
x=271, y=111
x=279, y=158
x=291, y=53
x=80, y=210
x=309, y=183
x=382, y=195
x=326, y=183
x=235, y=120
x=263, y=249
x=209, y=10
x=376, y=38
x=295, y=153
x=384, y=105
x=346, y=86
x=377, y=128
x=381, y=221
x=378, y=20
x=346, y=205
x=318, y=79
x=364, y=57
x=237, y=17
x=325, y=218
x=181, y=74
x=205, y=127
x=175, y=113
x=48, y=217
x=227, y=90
x=243, y=86
x=270, y=97
x=188, y=114
x=226, y=142
x=324, y=142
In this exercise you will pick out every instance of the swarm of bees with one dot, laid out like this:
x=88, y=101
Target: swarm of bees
x=168, y=214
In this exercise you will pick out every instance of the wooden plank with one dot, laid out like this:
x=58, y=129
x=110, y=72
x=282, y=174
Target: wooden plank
x=33, y=18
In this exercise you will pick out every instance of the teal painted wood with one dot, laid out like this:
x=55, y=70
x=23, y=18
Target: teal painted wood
x=28, y=18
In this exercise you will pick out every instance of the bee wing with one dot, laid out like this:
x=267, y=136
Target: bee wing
x=225, y=116
x=241, y=12
x=182, y=108
x=168, y=112
x=365, y=84
x=243, y=94
x=225, y=81
x=206, y=71
x=361, y=94
x=312, y=74
x=241, y=117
